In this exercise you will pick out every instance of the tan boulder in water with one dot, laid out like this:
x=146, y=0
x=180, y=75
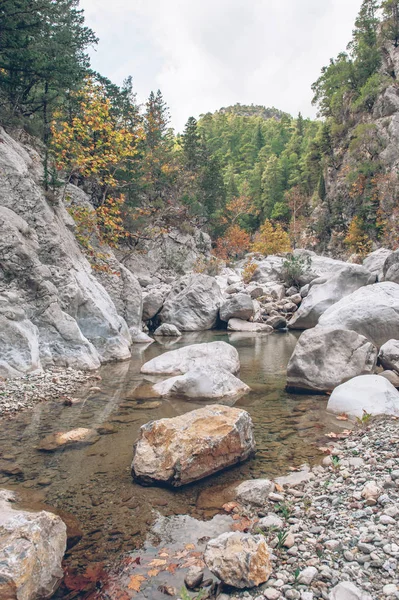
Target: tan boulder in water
x=73, y=438
x=239, y=559
x=32, y=546
x=192, y=446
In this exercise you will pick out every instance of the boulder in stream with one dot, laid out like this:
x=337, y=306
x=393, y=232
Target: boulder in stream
x=32, y=546
x=203, y=382
x=239, y=325
x=167, y=330
x=193, y=303
x=239, y=559
x=182, y=360
x=324, y=292
x=372, y=394
x=238, y=306
x=325, y=357
x=70, y=439
x=192, y=446
x=372, y=311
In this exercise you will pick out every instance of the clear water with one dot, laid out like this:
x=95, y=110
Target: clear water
x=119, y=518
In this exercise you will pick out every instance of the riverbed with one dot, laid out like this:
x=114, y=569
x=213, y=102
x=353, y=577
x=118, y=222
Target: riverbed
x=119, y=520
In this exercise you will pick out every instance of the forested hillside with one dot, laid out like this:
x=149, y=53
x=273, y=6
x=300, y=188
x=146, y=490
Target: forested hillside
x=245, y=174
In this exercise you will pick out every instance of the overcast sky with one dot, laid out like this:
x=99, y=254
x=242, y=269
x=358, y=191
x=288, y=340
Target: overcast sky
x=205, y=54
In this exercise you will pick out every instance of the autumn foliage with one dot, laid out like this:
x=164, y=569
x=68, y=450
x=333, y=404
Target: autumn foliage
x=233, y=244
x=271, y=239
x=92, y=142
x=356, y=238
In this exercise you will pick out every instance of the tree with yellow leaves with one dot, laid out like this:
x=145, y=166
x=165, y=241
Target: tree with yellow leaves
x=271, y=239
x=356, y=239
x=92, y=142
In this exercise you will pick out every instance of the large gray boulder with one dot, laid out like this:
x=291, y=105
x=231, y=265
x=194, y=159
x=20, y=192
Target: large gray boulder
x=346, y=590
x=203, y=382
x=238, y=306
x=391, y=267
x=192, y=446
x=240, y=560
x=182, y=360
x=193, y=303
x=375, y=261
x=271, y=268
x=372, y=311
x=77, y=316
x=326, y=357
x=325, y=292
x=389, y=355
x=19, y=345
x=32, y=546
x=152, y=304
x=368, y=393
x=240, y=325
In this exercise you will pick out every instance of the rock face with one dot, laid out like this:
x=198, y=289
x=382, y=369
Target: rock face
x=193, y=303
x=190, y=447
x=375, y=261
x=203, y=382
x=372, y=311
x=389, y=355
x=326, y=357
x=239, y=325
x=32, y=546
x=239, y=559
x=182, y=360
x=370, y=393
x=326, y=292
x=239, y=306
x=391, y=267
x=57, y=312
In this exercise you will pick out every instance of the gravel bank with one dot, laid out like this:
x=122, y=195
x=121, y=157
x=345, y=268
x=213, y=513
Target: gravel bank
x=341, y=526
x=54, y=383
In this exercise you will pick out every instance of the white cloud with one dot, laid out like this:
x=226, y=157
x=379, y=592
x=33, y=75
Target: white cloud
x=204, y=54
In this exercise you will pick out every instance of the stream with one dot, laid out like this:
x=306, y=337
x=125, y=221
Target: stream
x=127, y=531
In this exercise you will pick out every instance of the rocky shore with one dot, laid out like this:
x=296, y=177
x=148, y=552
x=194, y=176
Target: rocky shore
x=333, y=535
x=54, y=383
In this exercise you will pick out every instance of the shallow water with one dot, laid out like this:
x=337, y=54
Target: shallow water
x=93, y=483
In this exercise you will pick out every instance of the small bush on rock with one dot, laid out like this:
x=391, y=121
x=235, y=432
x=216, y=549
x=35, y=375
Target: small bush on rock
x=294, y=267
x=248, y=271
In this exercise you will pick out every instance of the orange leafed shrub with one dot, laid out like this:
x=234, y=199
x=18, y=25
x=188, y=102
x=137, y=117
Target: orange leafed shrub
x=235, y=243
x=271, y=240
x=248, y=271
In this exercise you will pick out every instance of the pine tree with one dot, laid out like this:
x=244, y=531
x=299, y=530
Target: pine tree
x=192, y=146
x=272, y=186
x=212, y=188
x=390, y=26
x=156, y=119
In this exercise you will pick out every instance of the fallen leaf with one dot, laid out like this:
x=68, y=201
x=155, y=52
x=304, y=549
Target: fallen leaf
x=135, y=582
x=342, y=417
x=324, y=449
x=157, y=562
x=279, y=488
x=172, y=567
x=331, y=435
x=189, y=547
x=229, y=506
x=153, y=572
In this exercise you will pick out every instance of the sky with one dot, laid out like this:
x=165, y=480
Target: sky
x=206, y=54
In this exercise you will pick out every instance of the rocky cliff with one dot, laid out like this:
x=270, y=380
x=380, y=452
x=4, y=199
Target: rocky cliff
x=361, y=167
x=53, y=309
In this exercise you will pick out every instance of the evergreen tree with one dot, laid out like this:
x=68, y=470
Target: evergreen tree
x=156, y=120
x=272, y=186
x=192, y=146
x=42, y=55
x=212, y=188
x=390, y=26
